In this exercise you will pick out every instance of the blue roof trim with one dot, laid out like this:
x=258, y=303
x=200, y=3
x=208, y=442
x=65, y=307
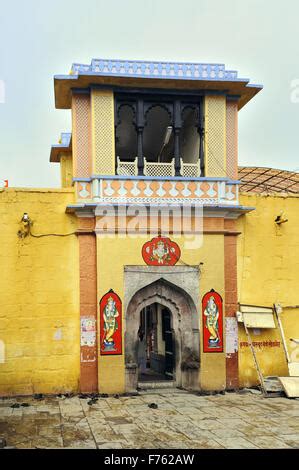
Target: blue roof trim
x=159, y=178
x=63, y=77
x=84, y=180
x=56, y=149
x=65, y=138
x=208, y=207
x=258, y=85
x=154, y=69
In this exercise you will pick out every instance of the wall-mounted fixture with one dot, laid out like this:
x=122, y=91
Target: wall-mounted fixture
x=26, y=229
x=26, y=223
x=26, y=218
x=281, y=219
x=166, y=139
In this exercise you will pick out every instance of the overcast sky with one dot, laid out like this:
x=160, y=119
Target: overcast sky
x=39, y=39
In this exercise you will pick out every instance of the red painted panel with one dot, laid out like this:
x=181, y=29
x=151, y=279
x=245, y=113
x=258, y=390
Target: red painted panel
x=110, y=324
x=88, y=307
x=161, y=251
x=212, y=320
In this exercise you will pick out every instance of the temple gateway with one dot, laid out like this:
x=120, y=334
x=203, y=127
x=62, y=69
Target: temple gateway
x=137, y=271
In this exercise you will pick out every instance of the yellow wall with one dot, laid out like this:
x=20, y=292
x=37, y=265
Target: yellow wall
x=114, y=254
x=66, y=170
x=39, y=294
x=39, y=290
x=268, y=266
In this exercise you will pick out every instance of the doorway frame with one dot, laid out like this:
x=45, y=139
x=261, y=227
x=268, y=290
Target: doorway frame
x=176, y=288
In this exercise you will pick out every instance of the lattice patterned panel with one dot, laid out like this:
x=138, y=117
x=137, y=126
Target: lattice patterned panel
x=215, y=139
x=103, y=132
x=127, y=168
x=190, y=170
x=159, y=169
x=81, y=136
x=232, y=139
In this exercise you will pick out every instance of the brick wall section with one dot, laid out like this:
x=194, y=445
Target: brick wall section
x=88, y=301
x=213, y=224
x=231, y=297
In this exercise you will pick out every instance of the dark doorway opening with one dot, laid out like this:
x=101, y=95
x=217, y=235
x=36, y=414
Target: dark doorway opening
x=156, y=352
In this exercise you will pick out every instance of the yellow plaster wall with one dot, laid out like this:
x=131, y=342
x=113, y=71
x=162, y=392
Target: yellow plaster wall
x=66, y=171
x=102, y=128
x=39, y=290
x=268, y=266
x=215, y=135
x=39, y=295
x=114, y=254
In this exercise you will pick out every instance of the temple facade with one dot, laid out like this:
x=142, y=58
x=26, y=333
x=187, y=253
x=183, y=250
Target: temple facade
x=131, y=275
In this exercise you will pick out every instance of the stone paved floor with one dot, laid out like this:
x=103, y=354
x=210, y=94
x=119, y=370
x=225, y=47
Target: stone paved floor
x=182, y=420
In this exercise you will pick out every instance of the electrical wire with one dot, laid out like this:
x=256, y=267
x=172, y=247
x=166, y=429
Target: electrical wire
x=180, y=259
x=49, y=234
x=74, y=233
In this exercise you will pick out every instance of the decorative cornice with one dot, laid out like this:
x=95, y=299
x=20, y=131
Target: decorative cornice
x=218, y=211
x=184, y=76
x=149, y=69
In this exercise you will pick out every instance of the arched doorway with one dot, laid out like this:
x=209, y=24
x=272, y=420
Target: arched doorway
x=184, y=326
x=156, y=345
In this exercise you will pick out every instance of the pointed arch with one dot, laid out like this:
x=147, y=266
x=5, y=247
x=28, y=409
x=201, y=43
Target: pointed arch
x=184, y=316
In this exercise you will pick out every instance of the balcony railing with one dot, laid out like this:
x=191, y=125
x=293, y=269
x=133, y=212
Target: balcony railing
x=190, y=170
x=127, y=168
x=157, y=169
x=157, y=190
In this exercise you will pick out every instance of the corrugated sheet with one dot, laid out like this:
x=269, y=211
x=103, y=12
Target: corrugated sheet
x=268, y=180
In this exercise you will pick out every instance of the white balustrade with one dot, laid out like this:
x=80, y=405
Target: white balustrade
x=127, y=168
x=204, y=191
x=159, y=168
x=190, y=170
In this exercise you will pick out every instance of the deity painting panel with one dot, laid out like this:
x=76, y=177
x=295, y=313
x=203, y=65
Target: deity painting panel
x=212, y=321
x=110, y=324
x=161, y=251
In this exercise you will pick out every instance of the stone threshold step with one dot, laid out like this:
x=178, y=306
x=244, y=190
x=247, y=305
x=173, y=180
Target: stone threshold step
x=161, y=384
x=162, y=392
